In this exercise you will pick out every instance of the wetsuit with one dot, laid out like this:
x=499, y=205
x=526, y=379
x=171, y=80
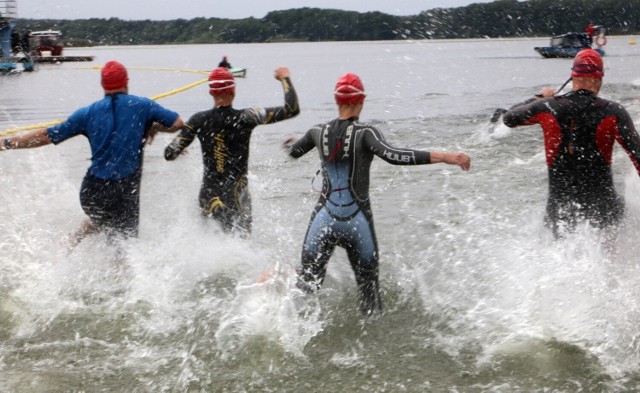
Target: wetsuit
x=224, y=134
x=342, y=216
x=116, y=129
x=579, y=134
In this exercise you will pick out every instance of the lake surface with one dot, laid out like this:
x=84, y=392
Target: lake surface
x=478, y=297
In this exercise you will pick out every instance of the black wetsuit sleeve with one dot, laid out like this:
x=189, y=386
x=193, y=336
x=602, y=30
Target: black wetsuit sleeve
x=306, y=143
x=628, y=137
x=520, y=114
x=376, y=143
x=180, y=142
x=291, y=108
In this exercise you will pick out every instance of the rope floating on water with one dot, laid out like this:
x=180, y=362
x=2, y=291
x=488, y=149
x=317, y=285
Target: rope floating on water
x=180, y=89
x=10, y=131
x=14, y=130
x=151, y=69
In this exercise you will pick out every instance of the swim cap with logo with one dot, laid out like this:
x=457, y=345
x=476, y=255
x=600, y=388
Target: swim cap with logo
x=221, y=82
x=114, y=76
x=587, y=64
x=349, y=90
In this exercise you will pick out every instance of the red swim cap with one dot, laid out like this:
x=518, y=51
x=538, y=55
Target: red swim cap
x=349, y=90
x=587, y=64
x=114, y=76
x=221, y=82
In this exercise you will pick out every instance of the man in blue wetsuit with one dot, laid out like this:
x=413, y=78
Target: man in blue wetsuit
x=580, y=130
x=225, y=134
x=117, y=127
x=342, y=216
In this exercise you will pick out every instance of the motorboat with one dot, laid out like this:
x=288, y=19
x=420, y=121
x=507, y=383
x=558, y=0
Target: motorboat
x=568, y=45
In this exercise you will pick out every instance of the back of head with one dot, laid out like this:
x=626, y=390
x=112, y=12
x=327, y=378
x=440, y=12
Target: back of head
x=349, y=90
x=114, y=76
x=587, y=64
x=221, y=82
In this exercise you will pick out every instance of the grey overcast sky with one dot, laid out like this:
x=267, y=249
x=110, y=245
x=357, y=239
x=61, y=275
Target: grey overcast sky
x=189, y=9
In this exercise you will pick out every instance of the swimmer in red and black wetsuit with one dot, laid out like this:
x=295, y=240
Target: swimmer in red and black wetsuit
x=342, y=216
x=224, y=133
x=579, y=130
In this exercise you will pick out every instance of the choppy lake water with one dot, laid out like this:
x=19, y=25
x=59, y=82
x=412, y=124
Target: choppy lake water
x=477, y=295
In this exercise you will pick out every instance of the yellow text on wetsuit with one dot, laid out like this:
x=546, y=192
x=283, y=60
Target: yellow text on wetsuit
x=219, y=153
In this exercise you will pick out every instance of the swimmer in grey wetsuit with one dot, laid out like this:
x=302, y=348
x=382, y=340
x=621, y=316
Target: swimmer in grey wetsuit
x=343, y=217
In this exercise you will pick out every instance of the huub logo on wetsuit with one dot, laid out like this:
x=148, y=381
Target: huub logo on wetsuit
x=397, y=156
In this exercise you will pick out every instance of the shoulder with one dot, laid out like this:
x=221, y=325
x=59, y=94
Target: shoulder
x=202, y=115
x=367, y=128
x=255, y=115
x=605, y=103
x=614, y=108
x=364, y=125
x=130, y=98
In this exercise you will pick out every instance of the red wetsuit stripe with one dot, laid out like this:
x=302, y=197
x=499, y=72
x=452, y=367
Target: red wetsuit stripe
x=552, y=134
x=605, y=137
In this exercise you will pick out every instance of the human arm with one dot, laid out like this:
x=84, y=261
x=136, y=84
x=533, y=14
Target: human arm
x=159, y=127
x=452, y=158
x=627, y=136
x=271, y=115
x=39, y=137
x=523, y=113
x=287, y=142
x=298, y=148
x=403, y=156
x=180, y=142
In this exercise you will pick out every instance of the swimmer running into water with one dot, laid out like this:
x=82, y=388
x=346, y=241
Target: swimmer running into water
x=343, y=216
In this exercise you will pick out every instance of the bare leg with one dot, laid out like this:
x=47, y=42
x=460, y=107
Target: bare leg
x=87, y=227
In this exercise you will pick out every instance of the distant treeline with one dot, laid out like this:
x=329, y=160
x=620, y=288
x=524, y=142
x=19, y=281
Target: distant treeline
x=502, y=18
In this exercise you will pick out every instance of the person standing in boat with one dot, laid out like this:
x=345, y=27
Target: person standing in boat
x=117, y=127
x=25, y=44
x=224, y=63
x=343, y=215
x=591, y=31
x=580, y=130
x=224, y=133
x=15, y=41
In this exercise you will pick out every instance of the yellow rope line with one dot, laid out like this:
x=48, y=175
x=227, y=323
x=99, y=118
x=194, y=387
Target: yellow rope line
x=180, y=89
x=151, y=69
x=10, y=131
x=157, y=97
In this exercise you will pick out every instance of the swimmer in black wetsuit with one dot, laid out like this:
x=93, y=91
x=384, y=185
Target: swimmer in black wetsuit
x=579, y=130
x=224, y=134
x=343, y=217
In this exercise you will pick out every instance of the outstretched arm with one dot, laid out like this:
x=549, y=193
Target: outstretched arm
x=179, y=143
x=159, y=127
x=296, y=148
x=290, y=109
x=399, y=156
x=39, y=137
x=460, y=159
x=521, y=114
